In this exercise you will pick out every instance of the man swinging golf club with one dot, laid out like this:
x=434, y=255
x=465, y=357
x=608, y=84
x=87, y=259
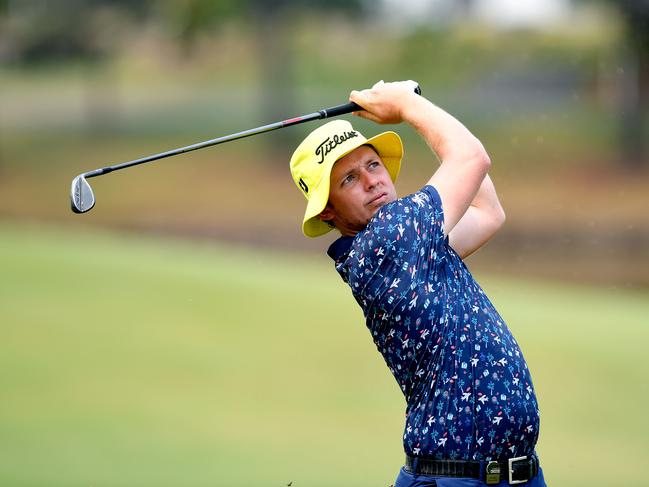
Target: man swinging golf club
x=472, y=416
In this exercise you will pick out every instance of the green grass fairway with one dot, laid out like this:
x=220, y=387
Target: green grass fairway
x=132, y=361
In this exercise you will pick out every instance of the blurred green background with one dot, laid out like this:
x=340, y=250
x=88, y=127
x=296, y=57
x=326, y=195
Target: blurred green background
x=185, y=333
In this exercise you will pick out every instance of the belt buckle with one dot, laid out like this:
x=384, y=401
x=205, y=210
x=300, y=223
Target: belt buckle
x=510, y=471
x=492, y=473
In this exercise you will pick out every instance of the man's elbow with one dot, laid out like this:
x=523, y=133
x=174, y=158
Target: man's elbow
x=484, y=158
x=498, y=218
x=481, y=158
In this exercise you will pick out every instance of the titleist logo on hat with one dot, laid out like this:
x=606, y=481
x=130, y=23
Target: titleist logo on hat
x=330, y=143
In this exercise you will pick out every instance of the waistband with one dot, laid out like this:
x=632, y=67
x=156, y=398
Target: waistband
x=514, y=470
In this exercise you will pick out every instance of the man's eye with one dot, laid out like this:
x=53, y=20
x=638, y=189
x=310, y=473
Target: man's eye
x=348, y=179
x=374, y=164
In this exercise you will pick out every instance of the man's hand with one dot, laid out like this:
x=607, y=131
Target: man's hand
x=385, y=103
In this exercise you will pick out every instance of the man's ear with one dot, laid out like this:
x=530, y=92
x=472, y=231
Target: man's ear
x=327, y=214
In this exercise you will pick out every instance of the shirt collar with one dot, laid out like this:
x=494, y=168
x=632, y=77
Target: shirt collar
x=340, y=247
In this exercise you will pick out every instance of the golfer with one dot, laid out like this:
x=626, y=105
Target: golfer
x=472, y=417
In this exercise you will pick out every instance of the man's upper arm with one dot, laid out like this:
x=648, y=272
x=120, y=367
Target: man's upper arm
x=457, y=184
x=473, y=230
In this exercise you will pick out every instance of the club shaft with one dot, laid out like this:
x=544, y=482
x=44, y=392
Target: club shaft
x=325, y=113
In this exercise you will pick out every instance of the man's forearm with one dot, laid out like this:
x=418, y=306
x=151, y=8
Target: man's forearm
x=481, y=221
x=487, y=199
x=445, y=135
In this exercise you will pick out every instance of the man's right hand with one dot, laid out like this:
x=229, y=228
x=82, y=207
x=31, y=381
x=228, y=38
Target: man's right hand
x=385, y=103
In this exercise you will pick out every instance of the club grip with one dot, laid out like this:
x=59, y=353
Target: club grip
x=348, y=108
x=341, y=110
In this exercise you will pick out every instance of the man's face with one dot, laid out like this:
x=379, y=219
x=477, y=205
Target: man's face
x=360, y=184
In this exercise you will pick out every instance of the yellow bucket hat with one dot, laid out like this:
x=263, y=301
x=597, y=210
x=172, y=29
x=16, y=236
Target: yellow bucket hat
x=312, y=161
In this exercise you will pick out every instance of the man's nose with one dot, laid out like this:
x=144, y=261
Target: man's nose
x=370, y=180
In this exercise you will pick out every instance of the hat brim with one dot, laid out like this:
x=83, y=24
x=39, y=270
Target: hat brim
x=387, y=145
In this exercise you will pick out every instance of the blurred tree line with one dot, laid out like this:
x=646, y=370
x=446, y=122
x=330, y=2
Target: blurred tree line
x=36, y=32
x=636, y=104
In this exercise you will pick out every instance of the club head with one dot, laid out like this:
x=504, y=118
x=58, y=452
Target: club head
x=82, y=198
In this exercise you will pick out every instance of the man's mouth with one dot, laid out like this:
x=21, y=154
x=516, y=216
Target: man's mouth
x=379, y=198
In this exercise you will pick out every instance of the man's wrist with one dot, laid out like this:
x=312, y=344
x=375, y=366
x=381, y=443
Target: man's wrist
x=414, y=109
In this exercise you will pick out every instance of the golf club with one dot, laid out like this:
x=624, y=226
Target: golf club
x=82, y=198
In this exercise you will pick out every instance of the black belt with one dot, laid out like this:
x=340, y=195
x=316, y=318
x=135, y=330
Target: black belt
x=514, y=471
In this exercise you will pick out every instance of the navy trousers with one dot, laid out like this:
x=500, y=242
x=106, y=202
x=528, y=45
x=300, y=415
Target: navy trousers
x=406, y=479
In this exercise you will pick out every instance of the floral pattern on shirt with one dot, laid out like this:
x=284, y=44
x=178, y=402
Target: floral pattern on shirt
x=467, y=386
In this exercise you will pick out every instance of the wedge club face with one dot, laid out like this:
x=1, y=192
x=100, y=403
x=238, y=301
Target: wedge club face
x=82, y=198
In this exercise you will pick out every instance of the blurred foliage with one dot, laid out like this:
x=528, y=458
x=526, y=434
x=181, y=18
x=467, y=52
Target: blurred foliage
x=635, y=110
x=281, y=53
x=41, y=31
x=38, y=31
x=290, y=46
x=634, y=104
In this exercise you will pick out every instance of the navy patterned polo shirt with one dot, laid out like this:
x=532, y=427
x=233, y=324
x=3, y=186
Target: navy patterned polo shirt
x=468, y=390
